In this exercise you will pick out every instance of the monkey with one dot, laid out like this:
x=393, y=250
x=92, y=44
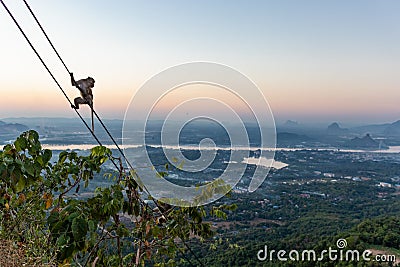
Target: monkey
x=85, y=87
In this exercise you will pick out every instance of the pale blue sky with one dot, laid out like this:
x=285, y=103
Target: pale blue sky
x=313, y=60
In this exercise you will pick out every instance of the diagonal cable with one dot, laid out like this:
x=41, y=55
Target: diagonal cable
x=45, y=34
x=66, y=96
x=50, y=73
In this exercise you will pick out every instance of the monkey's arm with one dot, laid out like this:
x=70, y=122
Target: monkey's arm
x=73, y=82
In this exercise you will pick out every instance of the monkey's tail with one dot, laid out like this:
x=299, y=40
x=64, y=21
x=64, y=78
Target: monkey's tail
x=92, y=119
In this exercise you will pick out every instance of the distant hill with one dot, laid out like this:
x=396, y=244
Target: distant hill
x=373, y=129
x=285, y=139
x=12, y=128
x=335, y=129
x=385, y=129
x=47, y=125
x=366, y=143
x=392, y=129
x=290, y=123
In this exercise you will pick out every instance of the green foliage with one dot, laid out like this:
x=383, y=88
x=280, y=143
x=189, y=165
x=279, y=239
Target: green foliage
x=24, y=167
x=114, y=227
x=382, y=231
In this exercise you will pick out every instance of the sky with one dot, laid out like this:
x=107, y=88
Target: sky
x=334, y=60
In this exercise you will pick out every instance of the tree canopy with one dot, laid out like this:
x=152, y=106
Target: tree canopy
x=117, y=225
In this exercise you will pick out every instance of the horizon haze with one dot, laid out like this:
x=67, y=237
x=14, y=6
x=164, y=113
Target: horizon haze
x=314, y=61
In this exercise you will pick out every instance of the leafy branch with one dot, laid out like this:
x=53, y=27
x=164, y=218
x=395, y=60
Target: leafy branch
x=116, y=226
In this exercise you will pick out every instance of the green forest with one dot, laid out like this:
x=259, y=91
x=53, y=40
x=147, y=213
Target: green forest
x=43, y=222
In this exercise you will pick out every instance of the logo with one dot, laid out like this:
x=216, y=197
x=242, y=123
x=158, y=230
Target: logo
x=330, y=254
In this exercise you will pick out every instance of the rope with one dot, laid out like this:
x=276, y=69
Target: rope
x=50, y=73
x=47, y=37
x=70, y=102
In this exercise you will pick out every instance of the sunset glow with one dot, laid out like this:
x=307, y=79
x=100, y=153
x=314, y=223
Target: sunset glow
x=313, y=60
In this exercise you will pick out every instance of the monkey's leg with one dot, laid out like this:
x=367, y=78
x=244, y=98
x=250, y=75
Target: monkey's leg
x=78, y=101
